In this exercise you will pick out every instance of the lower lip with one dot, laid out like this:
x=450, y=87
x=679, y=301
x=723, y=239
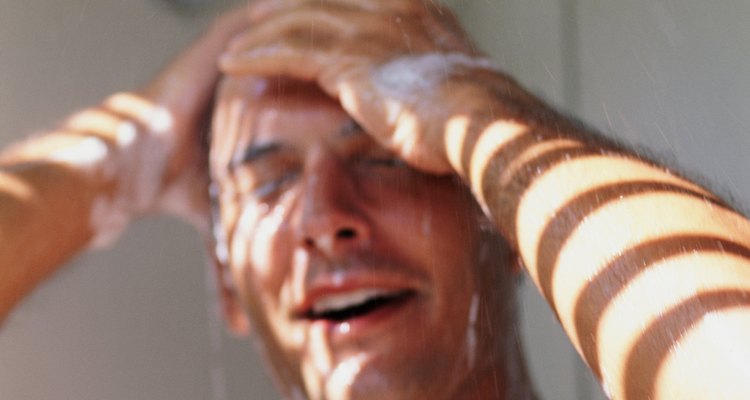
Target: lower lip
x=370, y=323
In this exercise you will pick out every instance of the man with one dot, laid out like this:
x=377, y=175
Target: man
x=372, y=271
x=354, y=266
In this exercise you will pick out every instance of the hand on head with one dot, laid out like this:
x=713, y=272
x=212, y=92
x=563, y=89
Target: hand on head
x=183, y=91
x=393, y=65
x=338, y=251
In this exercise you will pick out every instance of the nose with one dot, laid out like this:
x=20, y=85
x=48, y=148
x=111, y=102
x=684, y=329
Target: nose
x=330, y=214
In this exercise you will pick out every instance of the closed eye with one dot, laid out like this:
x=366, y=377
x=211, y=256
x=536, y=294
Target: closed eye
x=392, y=162
x=272, y=188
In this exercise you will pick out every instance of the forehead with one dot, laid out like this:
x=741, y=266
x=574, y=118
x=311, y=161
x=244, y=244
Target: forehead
x=251, y=111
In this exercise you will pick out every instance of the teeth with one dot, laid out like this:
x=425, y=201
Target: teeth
x=345, y=300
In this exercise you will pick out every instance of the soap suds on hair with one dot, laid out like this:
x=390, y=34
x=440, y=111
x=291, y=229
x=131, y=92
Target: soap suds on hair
x=408, y=77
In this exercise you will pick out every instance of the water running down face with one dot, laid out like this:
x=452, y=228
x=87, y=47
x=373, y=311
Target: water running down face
x=363, y=277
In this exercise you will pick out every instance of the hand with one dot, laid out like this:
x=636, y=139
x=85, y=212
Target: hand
x=137, y=152
x=165, y=167
x=401, y=68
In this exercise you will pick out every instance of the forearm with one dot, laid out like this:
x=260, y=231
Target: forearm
x=44, y=219
x=633, y=258
x=135, y=153
x=73, y=188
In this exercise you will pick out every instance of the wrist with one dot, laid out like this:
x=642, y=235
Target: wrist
x=134, y=136
x=162, y=166
x=483, y=115
x=495, y=127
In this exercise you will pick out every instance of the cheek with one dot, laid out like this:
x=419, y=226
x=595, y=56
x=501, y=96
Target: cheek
x=240, y=237
x=259, y=250
x=436, y=218
x=437, y=224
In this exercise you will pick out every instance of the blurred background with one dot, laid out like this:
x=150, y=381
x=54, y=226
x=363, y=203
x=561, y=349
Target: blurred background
x=139, y=320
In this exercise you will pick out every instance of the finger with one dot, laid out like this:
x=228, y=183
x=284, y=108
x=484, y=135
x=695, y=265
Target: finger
x=295, y=43
x=324, y=29
x=395, y=123
x=265, y=8
x=302, y=24
x=275, y=61
x=388, y=115
x=197, y=65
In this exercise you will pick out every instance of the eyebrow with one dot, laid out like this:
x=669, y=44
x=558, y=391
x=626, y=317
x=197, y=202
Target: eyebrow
x=255, y=152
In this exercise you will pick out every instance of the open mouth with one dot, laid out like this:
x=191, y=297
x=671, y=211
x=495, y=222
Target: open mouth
x=345, y=306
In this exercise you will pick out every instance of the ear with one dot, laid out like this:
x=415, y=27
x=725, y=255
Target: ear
x=233, y=312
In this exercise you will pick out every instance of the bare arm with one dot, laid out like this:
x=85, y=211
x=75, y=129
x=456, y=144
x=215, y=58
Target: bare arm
x=79, y=185
x=648, y=272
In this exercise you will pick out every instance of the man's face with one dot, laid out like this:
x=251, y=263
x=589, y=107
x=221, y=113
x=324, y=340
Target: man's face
x=363, y=277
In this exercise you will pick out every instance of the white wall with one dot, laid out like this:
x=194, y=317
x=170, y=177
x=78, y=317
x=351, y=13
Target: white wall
x=674, y=75
x=138, y=321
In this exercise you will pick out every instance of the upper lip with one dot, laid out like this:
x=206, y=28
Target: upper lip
x=351, y=287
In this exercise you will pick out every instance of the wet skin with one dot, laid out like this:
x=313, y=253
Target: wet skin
x=363, y=277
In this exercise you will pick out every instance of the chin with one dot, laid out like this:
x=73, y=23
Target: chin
x=364, y=376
